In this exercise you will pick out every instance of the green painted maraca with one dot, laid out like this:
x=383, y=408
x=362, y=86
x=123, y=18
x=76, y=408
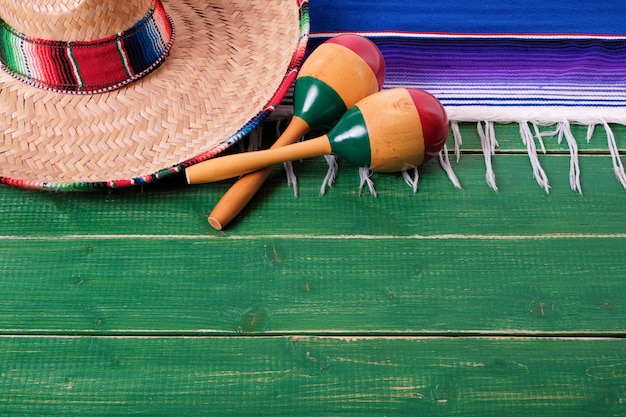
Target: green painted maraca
x=390, y=131
x=337, y=74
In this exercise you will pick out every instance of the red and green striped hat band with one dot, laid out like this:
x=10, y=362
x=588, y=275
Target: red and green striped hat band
x=92, y=66
x=88, y=66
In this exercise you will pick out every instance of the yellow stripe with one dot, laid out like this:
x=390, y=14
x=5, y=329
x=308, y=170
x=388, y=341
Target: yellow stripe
x=343, y=70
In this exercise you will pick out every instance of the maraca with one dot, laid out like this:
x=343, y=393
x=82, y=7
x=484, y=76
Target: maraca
x=389, y=131
x=337, y=74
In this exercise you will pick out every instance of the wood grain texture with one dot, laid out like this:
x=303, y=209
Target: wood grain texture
x=443, y=302
x=444, y=285
x=288, y=376
x=520, y=207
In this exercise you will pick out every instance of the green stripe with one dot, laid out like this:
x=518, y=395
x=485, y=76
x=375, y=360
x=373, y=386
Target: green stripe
x=305, y=20
x=350, y=140
x=12, y=53
x=317, y=103
x=118, y=43
x=5, y=46
x=75, y=68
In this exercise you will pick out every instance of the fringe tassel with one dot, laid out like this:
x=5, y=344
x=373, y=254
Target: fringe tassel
x=565, y=130
x=539, y=135
x=292, y=179
x=255, y=139
x=444, y=161
x=458, y=140
x=365, y=174
x=412, y=182
x=331, y=175
x=529, y=140
x=618, y=168
x=279, y=128
x=489, y=143
x=532, y=138
x=590, y=130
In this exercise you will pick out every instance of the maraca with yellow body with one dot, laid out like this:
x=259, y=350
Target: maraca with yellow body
x=389, y=131
x=337, y=74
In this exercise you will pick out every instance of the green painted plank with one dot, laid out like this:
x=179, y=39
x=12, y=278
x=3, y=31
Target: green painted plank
x=520, y=207
x=315, y=285
x=311, y=376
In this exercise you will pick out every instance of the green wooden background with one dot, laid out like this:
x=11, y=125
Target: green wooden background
x=444, y=302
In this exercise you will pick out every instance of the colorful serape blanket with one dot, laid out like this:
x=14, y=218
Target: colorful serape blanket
x=534, y=63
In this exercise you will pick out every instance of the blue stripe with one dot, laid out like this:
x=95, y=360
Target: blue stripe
x=145, y=46
x=471, y=16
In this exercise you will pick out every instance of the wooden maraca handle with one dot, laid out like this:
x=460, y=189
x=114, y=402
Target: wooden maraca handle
x=339, y=73
x=237, y=197
x=230, y=166
x=242, y=191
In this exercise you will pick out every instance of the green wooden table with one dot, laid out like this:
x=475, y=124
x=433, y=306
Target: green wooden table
x=444, y=302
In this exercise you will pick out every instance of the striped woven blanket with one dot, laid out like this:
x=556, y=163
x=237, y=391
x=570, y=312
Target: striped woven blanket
x=534, y=62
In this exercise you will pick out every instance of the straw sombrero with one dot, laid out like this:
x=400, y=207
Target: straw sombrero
x=96, y=93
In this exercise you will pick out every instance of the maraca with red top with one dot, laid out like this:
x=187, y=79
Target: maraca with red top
x=337, y=74
x=390, y=131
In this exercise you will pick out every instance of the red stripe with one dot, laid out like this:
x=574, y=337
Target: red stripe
x=54, y=63
x=100, y=65
x=160, y=17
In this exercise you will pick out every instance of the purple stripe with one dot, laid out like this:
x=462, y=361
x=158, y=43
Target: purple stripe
x=484, y=61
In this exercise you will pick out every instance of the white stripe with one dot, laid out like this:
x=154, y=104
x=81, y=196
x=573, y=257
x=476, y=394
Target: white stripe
x=122, y=52
x=323, y=35
x=615, y=91
x=74, y=66
x=540, y=114
x=518, y=92
x=26, y=70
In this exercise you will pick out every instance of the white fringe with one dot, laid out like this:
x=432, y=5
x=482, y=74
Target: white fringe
x=279, y=129
x=292, y=178
x=489, y=143
x=539, y=135
x=590, y=130
x=618, y=167
x=529, y=140
x=532, y=138
x=565, y=130
x=331, y=175
x=255, y=139
x=444, y=161
x=413, y=181
x=365, y=175
x=458, y=140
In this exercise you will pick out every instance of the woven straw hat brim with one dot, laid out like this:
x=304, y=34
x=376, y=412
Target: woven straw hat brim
x=231, y=62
